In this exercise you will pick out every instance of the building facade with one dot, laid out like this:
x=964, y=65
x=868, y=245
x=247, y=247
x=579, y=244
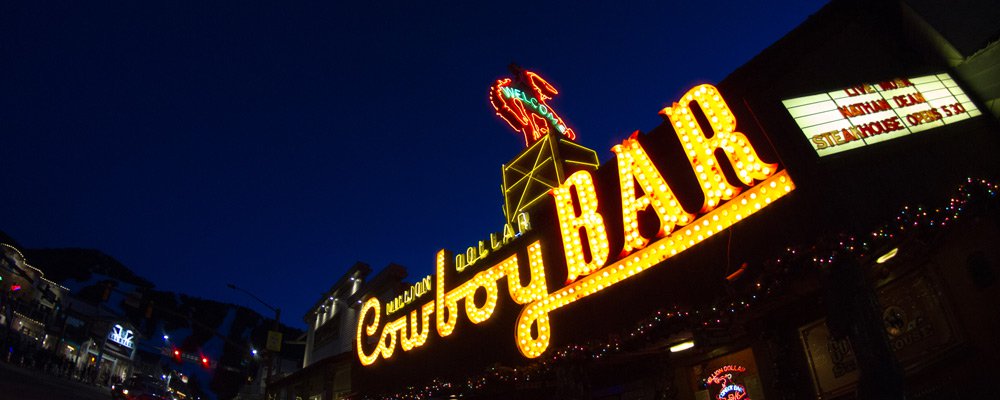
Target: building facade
x=32, y=305
x=44, y=324
x=328, y=364
x=822, y=223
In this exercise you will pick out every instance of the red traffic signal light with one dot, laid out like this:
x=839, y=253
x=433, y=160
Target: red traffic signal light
x=177, y=355
x=204, y=361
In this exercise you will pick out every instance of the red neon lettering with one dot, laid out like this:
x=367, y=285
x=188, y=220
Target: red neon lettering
x=864, y=108
x=908, y=99
x=848, y=136
x=921, y=117
x=859, y=90
x=887, y=85
x=895, y=84
x=720, y=375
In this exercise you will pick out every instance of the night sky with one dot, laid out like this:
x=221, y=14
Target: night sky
x=273, y=145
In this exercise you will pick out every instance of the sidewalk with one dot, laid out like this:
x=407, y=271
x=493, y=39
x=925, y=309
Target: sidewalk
x=31, y=384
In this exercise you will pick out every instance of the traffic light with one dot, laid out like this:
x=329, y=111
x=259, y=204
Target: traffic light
x=204, y=361
x=177, y=355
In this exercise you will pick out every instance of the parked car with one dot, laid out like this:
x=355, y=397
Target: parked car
x=140, y=388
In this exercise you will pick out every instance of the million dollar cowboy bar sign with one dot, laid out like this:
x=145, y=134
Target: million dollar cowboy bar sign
x=734, y=183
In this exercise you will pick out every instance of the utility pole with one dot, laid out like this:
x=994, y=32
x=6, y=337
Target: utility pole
x=273, y=337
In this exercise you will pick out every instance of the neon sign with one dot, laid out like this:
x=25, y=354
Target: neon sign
x=724, y=377
x=121, y=336
x=591, y=264
x=865, y=114
x=418, y=289
x=496, y=242
x=522, y=103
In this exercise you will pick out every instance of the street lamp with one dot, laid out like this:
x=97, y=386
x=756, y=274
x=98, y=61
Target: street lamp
x=277, y=323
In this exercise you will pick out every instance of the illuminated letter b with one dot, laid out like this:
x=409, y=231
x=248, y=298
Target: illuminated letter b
x=588, y=220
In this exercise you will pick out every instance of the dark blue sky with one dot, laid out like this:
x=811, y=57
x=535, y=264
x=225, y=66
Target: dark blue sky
x=272, y=145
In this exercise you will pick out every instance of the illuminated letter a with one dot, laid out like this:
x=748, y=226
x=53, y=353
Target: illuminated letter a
x=634, y=166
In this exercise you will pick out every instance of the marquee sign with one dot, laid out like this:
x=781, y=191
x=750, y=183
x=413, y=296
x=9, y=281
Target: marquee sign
x=705, y=127
x=521, y=102
x=864, y=114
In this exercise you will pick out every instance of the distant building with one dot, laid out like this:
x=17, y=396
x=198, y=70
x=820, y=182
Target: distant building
x=95, y=339
x=32, y=305
x=106, y=342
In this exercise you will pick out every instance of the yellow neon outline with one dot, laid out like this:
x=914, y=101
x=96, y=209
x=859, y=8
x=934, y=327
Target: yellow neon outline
x=554, y=152
x=581, y=147
x=534, y=174
x=525, y=153
x=526, y=178
x=532, y=202
x=535, y=168
x=530, y=174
